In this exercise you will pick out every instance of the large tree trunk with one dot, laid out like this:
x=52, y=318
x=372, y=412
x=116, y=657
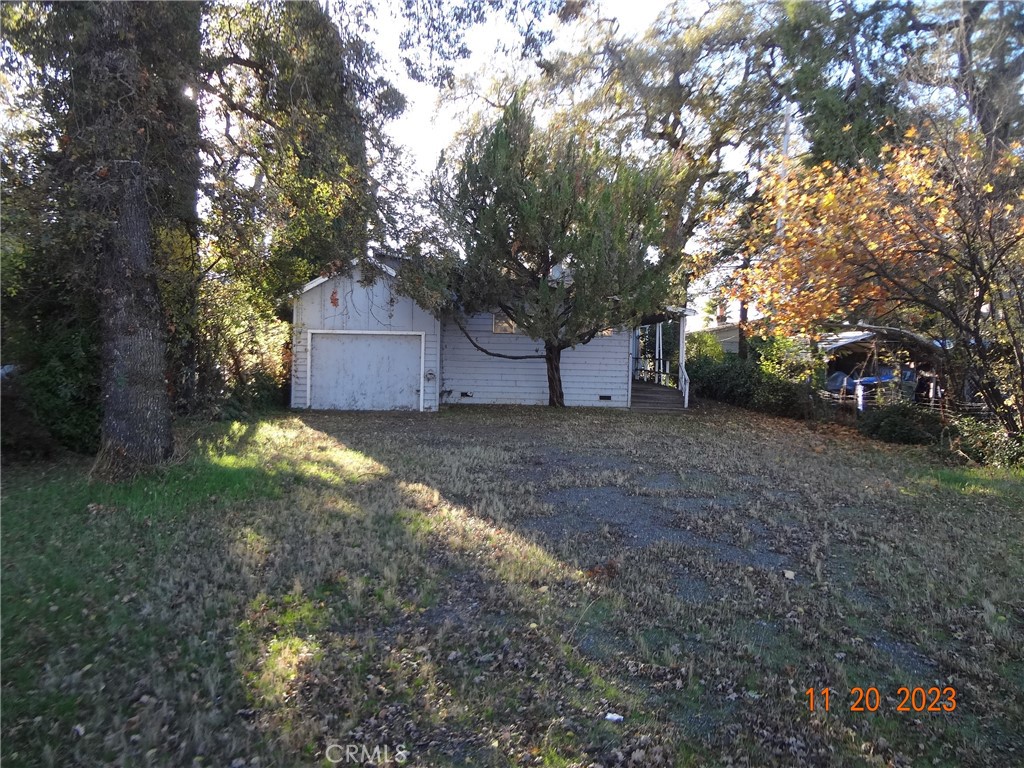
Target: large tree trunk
x=136, y=425
x=138, y=158
x=743, y=344
x=553, y=358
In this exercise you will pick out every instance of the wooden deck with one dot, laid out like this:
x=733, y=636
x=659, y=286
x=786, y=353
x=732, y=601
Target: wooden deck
x=654, y=397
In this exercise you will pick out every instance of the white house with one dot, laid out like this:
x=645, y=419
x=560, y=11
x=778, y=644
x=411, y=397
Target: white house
x=359, y=347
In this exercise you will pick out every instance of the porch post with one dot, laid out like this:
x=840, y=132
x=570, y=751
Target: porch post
x=684, y=379
x=659, y=353
x=636, y=351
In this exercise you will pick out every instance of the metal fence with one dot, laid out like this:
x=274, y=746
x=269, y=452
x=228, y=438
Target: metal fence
x=880, y=397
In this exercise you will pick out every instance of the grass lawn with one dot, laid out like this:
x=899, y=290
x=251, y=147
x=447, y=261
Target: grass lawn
x=488, y=586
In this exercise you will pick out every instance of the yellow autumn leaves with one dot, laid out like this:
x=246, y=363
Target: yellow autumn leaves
x=828, y=240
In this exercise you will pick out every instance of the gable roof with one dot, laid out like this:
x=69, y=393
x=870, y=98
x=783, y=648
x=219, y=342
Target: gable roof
x=355, y=262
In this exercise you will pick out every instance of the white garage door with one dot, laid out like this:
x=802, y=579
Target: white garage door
x=364, y=372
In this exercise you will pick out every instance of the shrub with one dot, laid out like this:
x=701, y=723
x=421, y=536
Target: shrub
x=785, y=359
x=58, y=385
x=986, y=442
x=771, y=380
x=904, y=423
x=781, y=397
x=736, y=381
x=702, y=345
x=21, y=435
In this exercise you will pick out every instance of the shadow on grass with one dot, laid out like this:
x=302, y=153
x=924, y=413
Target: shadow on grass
x=388, y=615
x=361, y=580
x=81, y=565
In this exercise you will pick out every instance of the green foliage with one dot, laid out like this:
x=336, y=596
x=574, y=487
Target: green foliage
x=782, y=357
x=904, y=423
x=435, y=35
x=244, y=363
x=701, y=346
x=730, y=379
x=61, y=389
x=772, y=380
x=748, y=384
x=305, y=102
x=50, y=317
x=849, y=65
x=550, y=228
x=694, y=91
x=290, y=102
x=57, y=383
x=986, y=442
x=846, y=119
x=782, y=397
x=106, y=145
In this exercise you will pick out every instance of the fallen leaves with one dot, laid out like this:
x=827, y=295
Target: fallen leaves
x=415, y=616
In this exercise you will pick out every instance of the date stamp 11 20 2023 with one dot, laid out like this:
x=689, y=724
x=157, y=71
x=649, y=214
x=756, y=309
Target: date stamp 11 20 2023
x=917, y=700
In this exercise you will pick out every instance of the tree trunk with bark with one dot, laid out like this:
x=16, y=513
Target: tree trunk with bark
x=553, y=359
x=136, y=428
x=128, y=77
x=743, y=343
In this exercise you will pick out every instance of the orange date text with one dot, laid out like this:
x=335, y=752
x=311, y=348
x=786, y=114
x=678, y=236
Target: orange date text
x=918, y=699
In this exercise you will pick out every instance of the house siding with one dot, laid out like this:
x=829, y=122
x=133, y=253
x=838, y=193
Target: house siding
x=588, y=371
x=361, y=308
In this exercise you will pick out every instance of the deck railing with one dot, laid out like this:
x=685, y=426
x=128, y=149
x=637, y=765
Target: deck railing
x=655, y=370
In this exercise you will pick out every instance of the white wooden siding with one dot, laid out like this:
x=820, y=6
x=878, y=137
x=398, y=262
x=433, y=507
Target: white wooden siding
x=588, y=371
x=372, y=308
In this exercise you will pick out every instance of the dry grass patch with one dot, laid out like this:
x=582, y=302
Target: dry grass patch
x=486, y=586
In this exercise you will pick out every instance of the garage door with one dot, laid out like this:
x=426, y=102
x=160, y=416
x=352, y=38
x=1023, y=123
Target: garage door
x=364, y=372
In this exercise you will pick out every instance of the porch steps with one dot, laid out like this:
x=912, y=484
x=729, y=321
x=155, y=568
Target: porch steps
x=654, y=397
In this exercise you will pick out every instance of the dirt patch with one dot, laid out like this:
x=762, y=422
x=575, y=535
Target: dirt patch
x=540, y=465
x=690, y=505
x=906, y=656
x=686, y=506
x=658, y=484
x=691, y=588
x=636, y=521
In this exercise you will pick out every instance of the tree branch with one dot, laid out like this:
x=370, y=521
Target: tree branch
x=472, y=341
x=235, y=106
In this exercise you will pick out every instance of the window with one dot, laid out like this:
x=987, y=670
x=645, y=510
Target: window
x=501, y=324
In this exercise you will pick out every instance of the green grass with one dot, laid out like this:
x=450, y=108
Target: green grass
x=1005, y=484
x=301, y=582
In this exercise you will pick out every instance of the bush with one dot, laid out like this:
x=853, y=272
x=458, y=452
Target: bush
x=702, y=345
x=58, y=385
x=726, y=380
x=771, y=380
x=986, y=442
x=903, y=423
x=736, y=381
x=781, y=397
x=21, y=435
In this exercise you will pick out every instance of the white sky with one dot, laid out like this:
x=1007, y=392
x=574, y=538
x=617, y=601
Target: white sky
x=431, y=119
x=429, y=125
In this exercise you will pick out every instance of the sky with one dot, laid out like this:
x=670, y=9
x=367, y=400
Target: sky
x=430, y=121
